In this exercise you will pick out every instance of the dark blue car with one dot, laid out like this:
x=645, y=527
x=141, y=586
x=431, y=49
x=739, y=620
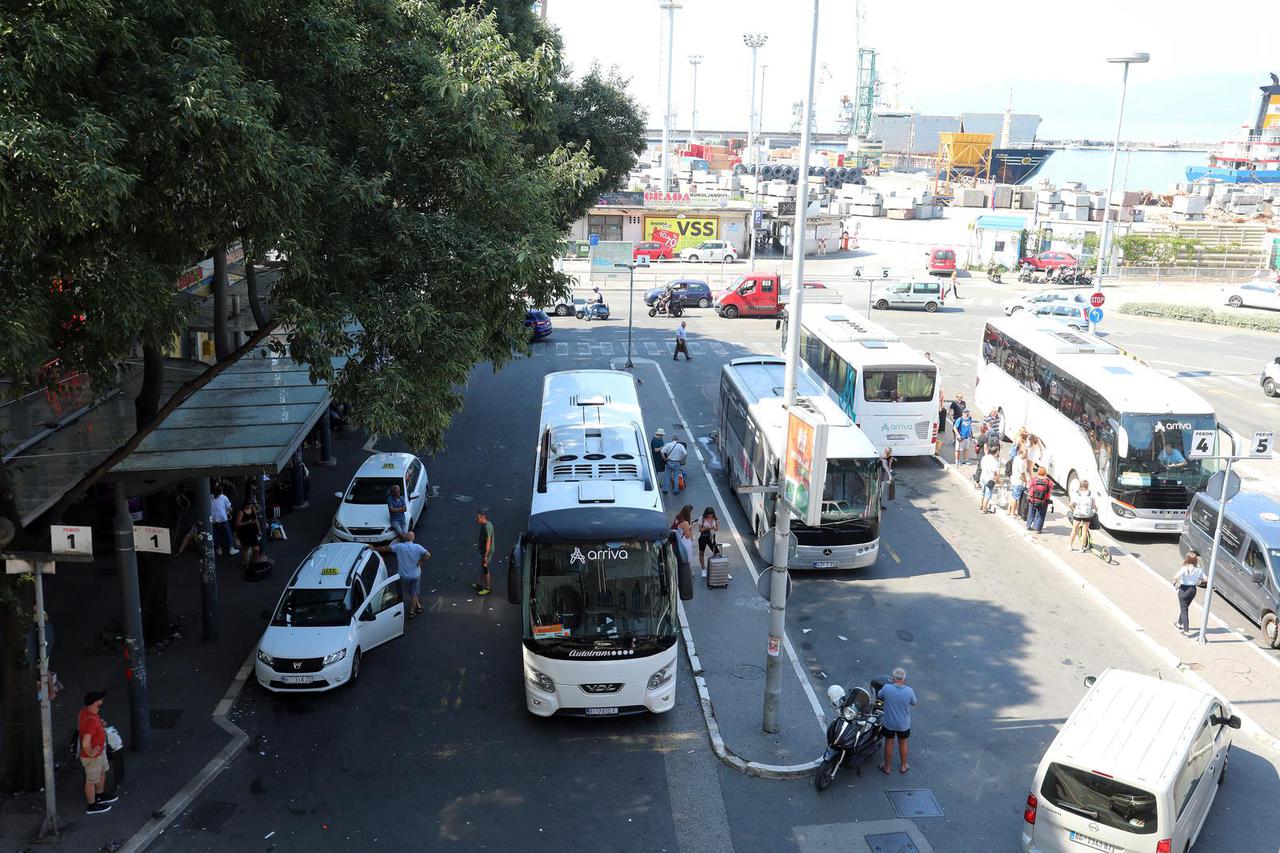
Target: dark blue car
x=538, y=324
x=691, y=292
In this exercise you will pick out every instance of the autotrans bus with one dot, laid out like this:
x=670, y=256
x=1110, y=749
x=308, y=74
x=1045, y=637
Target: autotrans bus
x=888, y=388
x=1103, y=416
x=753, y=438
x=596, y=573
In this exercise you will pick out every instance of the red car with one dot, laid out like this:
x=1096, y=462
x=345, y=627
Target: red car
x=652, y=250
x=1051, y=260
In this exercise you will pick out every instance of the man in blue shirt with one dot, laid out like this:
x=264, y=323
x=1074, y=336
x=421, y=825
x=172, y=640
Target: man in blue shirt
x=410, y=558
x=896, y=720
x=399, y=510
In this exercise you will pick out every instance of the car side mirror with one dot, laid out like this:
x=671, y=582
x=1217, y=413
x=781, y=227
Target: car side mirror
x=1090, y=680
x=366, y=614
x=414, y=497
x=1233, y=721
x=338, y=495
x=1259, y=576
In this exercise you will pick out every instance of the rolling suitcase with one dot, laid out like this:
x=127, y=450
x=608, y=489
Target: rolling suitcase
x=1022, y=505
x=717, y=567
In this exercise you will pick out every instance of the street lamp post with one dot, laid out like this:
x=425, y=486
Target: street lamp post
x=631, y=300
x=782, y=527
x=1104, y=244
x=755, y=41
x=695, y=61
x=670, y=7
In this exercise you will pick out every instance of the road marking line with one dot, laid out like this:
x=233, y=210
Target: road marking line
x=892, y=553
x=651, y=347
x=562, y=348
x=606, y=348
x=695, y=348
x=584, y=348
x=718, y=348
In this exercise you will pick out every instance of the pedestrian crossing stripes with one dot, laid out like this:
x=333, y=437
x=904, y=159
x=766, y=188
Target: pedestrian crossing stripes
x=651, y=347
x=562, y=348
x=695, y=348
x=718, y=348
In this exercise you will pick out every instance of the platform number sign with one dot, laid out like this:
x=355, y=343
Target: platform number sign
x=154, y=540
x=1261, y=446
x=858, y=272
x=70, y=539
x=1202, y=441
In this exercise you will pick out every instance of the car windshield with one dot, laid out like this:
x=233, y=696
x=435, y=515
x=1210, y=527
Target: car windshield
x=1159, y=451
x=1102, y=800
x=313, y=608
x=601, y=591
x=373, y=490
x=898, y=385
x=851, y=491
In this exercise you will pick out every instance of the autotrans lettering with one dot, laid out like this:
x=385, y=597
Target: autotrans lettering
x=600, y=653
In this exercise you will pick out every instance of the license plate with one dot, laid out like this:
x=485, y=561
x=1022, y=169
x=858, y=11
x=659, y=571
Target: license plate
x=296, y=679
x=1092, y=842
x=1168, y=526
x=367, y=538
x=601, y=712
x=825, y=564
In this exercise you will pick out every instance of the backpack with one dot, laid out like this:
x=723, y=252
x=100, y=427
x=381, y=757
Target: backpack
x=1040, y=489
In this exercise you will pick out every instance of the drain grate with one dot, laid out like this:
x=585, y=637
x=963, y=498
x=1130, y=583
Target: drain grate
x=891, y=842
x=165, y=718
x=209, y=816
x=916, y=802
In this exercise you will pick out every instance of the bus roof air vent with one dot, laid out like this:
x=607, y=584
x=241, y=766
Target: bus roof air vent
x=595, y=493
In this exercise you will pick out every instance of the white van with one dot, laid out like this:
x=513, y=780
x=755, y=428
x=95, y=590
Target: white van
x=1135, y=767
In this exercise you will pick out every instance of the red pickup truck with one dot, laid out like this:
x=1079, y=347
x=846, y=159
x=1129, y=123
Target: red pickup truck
x=759, y=295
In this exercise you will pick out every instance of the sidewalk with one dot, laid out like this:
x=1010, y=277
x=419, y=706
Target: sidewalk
x=187, y=678
x=1143, y=598
x=727, y=630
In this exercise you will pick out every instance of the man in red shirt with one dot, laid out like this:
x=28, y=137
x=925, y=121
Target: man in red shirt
x=93, y=753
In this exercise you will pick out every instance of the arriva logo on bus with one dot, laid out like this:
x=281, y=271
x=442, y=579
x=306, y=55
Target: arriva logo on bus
x=1162, y=425
x=897, y=427
x=597, y=554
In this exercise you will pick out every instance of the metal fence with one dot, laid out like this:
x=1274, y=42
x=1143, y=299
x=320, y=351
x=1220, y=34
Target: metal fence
x=1214, y=275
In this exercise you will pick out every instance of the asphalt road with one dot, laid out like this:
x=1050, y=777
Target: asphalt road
x=433, y=748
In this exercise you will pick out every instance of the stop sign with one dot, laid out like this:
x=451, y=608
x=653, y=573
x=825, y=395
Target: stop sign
x=1097, y=299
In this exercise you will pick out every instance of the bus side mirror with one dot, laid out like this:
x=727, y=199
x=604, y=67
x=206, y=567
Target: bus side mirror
x=684, y=573
x=1090, y=680
x=1122, y=442
x=515, y=562
x=1259, y=576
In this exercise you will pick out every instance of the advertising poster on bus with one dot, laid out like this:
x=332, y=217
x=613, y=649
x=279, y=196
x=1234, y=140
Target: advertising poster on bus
x=680, y=231
x=805, y=471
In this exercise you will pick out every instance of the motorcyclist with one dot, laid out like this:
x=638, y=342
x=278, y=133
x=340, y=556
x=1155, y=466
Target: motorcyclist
x=664, y=300
x=599, y=300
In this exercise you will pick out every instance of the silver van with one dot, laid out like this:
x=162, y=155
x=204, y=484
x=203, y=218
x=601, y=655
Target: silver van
x=1248, y=566
x=909, y=294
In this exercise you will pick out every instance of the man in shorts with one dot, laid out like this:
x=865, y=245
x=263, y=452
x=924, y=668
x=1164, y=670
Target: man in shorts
x=410, y=560
x=896, y=721
x=93, y=753
x=963, y=436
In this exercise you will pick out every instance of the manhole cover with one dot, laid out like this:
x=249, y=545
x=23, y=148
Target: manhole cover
x=1232, y=666
x=891, y=842
x=916, y=802
x=905, y=636
x=747, y=672
x=165, y=718
x=209, y=816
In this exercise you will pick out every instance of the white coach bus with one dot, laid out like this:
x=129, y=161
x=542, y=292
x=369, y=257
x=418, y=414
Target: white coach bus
x=888, y=388
x=1103, y=417
x=596, y=573
x=753, y=437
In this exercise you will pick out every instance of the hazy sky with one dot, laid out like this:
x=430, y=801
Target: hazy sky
x=946, y=57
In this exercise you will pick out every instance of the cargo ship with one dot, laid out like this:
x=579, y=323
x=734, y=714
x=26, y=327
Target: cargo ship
x=1255, y=157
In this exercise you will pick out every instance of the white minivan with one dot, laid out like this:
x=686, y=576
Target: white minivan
x=1135, y=768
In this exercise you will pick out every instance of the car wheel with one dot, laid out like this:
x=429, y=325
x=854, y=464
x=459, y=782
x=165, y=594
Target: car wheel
x=931, y=307
x=1271, y=630
x=730, y=312
x=355, y=669
x=1014, y=310
x=704, y=302
x=882, y=304
x=1235, y=302
x=578, y=314
x=562, y=310
x=693, y=258
x=1269, y=387
x=728, y=259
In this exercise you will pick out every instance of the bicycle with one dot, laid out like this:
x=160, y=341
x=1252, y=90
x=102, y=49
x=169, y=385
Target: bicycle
x=1102, y=552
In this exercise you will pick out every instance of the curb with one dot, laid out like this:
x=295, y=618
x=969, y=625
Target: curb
x=152, y=829
x=1170, y=657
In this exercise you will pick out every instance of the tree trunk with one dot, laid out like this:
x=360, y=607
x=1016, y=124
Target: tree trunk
x=221, y=343
x=21, y=763
x=147, y=402
x=251, y=282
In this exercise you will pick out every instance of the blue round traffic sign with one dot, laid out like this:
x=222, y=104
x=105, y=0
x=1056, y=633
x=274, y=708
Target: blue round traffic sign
x=1095, y=315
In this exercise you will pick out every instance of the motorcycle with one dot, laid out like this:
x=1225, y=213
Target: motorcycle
x=993, y=274
x=593, y=311
x=855, y=734
x=1028, y=274
x=666, y=308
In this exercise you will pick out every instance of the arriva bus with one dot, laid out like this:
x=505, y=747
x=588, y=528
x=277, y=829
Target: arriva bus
x=1103, y=417
x=596, y=573
x=889, y=389
x=753, y=437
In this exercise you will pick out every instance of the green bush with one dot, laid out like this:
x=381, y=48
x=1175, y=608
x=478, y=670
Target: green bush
x=1201, y=314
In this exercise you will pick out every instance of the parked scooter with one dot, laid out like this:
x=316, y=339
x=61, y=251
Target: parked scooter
x=1028, y=274
x=666, y=308
x=855, y=734
x=993, y=273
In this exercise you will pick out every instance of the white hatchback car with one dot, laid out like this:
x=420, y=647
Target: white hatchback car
x=1259, y=294
x=363, y=515
x=1032, y=301
x=339, y=604
x=710, y=250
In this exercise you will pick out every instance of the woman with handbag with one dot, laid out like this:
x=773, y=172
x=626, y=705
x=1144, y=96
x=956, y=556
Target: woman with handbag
x=1186, y=581
x=708, y=526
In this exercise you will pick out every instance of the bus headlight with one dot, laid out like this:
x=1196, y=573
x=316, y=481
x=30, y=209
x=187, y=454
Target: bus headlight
x=539, y=680
x=1122, y=510
x=661, y=677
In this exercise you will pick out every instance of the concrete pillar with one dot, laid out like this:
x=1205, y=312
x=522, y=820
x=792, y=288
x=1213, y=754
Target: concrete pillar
x=135, y=654
x=208, y=564
x=326, y=441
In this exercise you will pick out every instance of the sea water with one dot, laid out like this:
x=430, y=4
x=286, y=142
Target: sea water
x=1156, y=171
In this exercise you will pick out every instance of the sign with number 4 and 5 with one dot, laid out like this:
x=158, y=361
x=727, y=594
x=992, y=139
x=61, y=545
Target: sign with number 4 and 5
x=1202, y=441
x=1261, y=447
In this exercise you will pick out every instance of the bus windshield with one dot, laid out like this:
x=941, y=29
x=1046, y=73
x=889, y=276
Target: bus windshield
x=852, y=491
x=898, y=384
x=1159, y=451
x=592, y=591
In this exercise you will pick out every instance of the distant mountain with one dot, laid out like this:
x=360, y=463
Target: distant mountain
x=1204, y=107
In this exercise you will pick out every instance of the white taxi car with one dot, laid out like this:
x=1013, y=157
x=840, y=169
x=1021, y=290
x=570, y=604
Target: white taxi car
x=339, y=604
x=363, y=515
